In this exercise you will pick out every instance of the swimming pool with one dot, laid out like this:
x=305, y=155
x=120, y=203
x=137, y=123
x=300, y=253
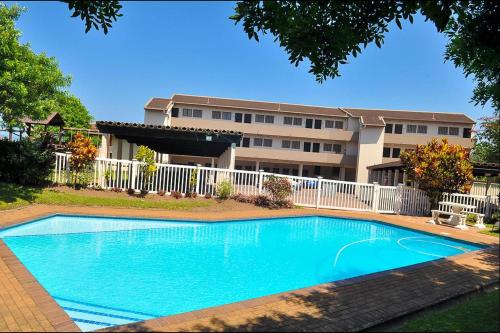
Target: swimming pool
x=108, y=271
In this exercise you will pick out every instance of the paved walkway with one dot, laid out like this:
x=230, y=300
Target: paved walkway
x=348, y=305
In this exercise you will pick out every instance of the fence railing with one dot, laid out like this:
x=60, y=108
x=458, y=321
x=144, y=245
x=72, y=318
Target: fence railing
x=308, y=192
x=480, y=188
x=485, y=204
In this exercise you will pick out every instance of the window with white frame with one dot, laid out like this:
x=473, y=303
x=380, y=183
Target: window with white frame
x=329, y=124
x=338, y=124
x=268, y=142
x=453, y=131
x=442, y=130
x=260, y=118
x=292, y=121
x=295, y=144
x=286, y=144
x=337, y=148
x=297, y=121
x=327, y=147
x=187, y=112
x=422, y=129
x=411, y=128
x=257, y=142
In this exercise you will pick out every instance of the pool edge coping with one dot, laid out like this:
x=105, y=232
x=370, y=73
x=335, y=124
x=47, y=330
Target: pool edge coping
x=61, y=321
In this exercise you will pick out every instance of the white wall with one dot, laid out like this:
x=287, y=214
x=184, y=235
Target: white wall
x=155, y=118
x=370, y=148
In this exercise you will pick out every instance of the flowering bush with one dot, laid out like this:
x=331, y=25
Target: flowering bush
x=83, y=154
x=280, y=188
x=176, y=194
x=243, y=198
x=439, y=167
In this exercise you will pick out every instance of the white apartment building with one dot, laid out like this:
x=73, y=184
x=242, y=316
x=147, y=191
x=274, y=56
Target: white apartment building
x=332, y=142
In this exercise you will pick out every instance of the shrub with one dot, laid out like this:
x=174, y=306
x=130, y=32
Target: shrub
x=161, y=193
x=117, y=189
x=280, y=188
x=471, y=218
x=191, y=195
x=224, y=189
x=193, y=180
x=243, y=198
x=25, y=162
x=144, y=192
x=83, y=154
x=262, y=201
x=281, y=204
x=176, y=194
x=147, y=158
x=208, y=195
x=131, y=191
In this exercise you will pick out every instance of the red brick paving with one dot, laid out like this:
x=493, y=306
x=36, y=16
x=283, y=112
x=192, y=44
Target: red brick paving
x=349, y=305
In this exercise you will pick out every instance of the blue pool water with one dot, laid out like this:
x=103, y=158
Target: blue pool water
x=109, y=271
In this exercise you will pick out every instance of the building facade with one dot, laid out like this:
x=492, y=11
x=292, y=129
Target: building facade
x=332, y=142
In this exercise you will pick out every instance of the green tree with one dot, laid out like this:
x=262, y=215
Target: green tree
x=31, y=85
x=487, y=146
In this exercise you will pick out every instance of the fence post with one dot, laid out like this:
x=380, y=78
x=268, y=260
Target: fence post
x=198, y=178
x=261, y=177
x=68, y=171
x=134, y=174
x=318, y=192
x=399, y=199
x=487, y=208
x=376, y=196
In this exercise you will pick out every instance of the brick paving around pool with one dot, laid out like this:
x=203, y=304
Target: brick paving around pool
x=349, y=305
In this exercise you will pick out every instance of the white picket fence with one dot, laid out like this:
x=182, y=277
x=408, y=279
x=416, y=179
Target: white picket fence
x=307, y=192
x=480, y=188
x=485, y=204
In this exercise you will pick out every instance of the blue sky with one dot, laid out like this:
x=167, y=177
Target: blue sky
x=157, y=49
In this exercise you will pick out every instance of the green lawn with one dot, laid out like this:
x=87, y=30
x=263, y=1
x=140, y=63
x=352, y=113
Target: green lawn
x=479, y=314
x=14, y=196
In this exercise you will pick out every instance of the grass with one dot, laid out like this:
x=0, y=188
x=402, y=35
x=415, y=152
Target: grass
x=479, y=314
x=489, y=231
x=14, y=196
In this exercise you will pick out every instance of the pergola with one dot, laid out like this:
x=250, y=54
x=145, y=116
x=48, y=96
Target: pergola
x=54, y=119
x=177, y=140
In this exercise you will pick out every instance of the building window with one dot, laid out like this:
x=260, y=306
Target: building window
x=192, y=113
x=398, y=129
x=388, y=128
x=329, y=124
x=216, y=114
x=442, y=130
x=286, y=171
x=467, y=133
x=387, y=152
x=317, y=170
x=315, y=147
x=268, y=142
x=238, y=117
x=246, y=142
x=411, y=129
x=247, y=118
x=257, y=142
x=297, y=121
x=260, y=118
x=222, y=115
x=307, y=146
x=175, y=112
x=286, y=144
x=453, y=131
x=422, y=129
x=309, y=123
x=276, y=170
x=396, y=152
x=327, y=147
x=339, y=124
x=337, y=148
x=317, y=124
x=288, y=121
x=295, y=144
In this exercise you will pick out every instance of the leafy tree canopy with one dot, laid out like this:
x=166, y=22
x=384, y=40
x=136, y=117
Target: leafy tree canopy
x=487, y=146
x=95, y=13
x=32, y=85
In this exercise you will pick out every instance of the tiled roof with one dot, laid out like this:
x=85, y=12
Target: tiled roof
x=101, y=125
x=156, y=103
x=369, y=117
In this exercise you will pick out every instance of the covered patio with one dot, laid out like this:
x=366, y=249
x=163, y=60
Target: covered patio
x=121, y=140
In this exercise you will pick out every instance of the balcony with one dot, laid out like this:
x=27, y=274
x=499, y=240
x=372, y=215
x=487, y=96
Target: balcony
x=269, y=129
x=293, y=156
x=421, y=139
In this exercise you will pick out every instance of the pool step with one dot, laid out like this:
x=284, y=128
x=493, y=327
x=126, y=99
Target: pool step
x=91, y=317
